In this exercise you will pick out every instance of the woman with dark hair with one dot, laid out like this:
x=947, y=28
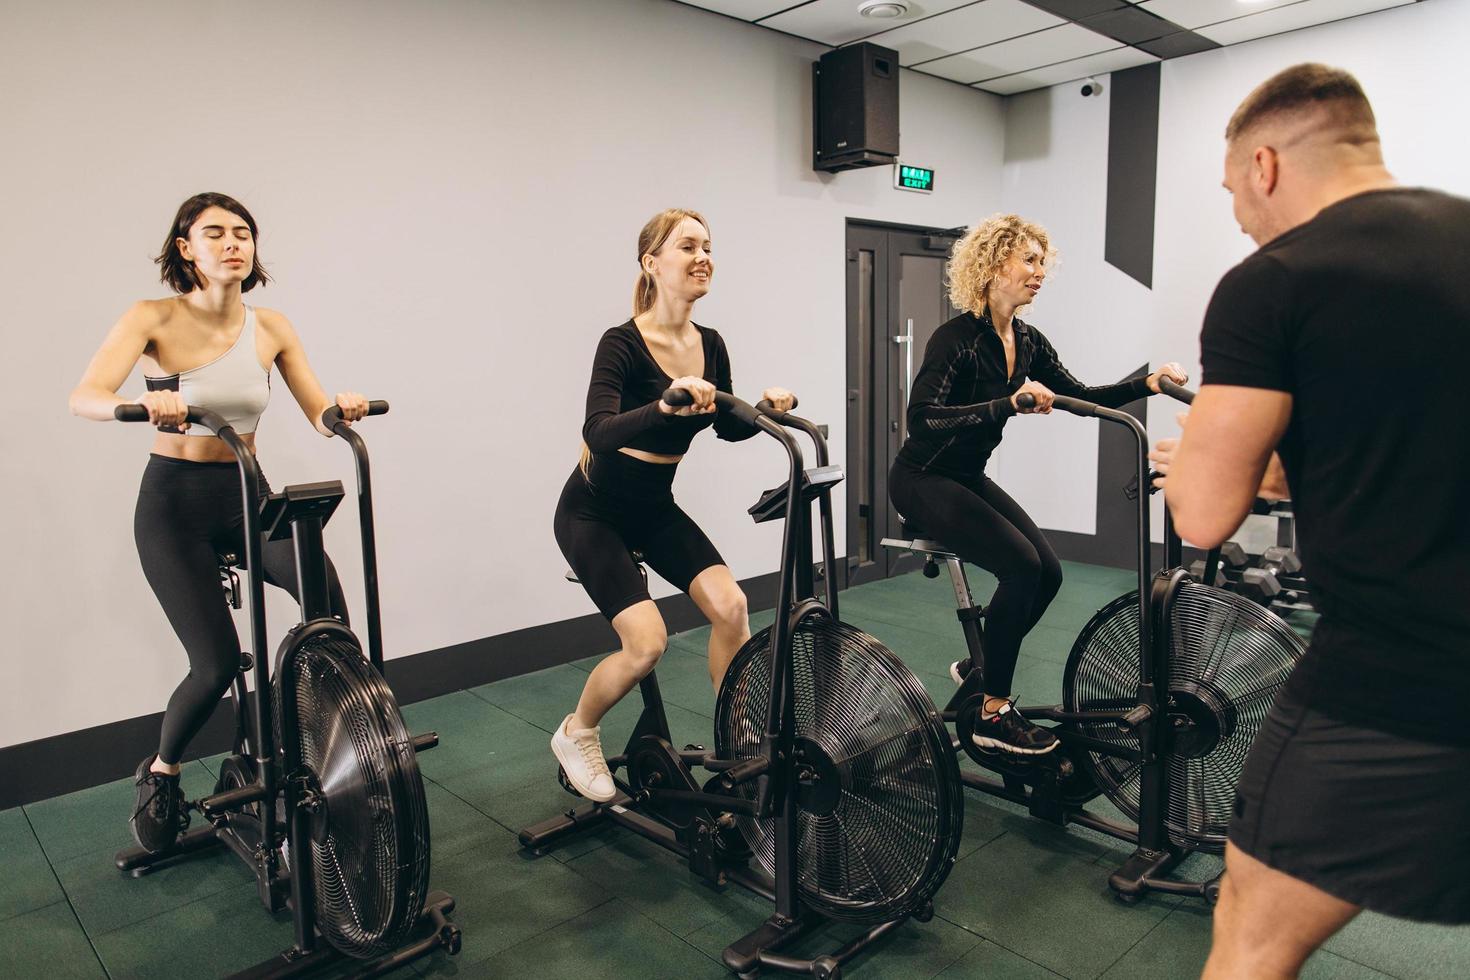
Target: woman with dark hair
x=619, y=498
x=205, y=347
x=975, y=368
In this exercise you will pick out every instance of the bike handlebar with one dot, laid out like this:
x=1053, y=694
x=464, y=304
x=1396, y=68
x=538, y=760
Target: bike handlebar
x=333, y=415
x=744, y=411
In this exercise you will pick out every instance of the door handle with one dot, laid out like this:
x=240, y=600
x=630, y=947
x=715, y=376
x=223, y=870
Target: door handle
x=907, y=341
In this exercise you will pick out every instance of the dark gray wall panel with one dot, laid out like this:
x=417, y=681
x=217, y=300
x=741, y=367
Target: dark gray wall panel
x=1133, y=155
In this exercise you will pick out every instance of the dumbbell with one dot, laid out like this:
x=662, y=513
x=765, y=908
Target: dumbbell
x=1280, y=561
x=1232, y=557
x=1257, y=584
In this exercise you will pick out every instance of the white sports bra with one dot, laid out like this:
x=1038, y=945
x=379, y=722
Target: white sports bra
x=234, y=384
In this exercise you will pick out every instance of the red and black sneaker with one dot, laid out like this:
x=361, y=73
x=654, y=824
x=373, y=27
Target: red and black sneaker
x=1007, y=731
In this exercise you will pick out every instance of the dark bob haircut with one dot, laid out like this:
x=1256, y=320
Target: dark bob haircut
x=180, y=275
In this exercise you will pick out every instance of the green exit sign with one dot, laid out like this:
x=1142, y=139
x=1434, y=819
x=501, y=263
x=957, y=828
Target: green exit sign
x=907, y=177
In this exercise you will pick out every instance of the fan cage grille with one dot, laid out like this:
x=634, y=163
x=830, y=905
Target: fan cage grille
x=1220, y=643
x=372, y=866
x=893, y=835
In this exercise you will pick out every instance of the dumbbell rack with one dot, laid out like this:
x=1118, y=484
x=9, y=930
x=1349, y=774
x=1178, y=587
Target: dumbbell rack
x=1272, y=578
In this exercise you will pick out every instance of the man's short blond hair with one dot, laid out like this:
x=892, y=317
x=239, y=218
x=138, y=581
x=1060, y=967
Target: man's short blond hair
x=1331, y=94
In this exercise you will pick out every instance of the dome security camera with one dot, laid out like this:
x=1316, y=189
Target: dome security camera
x=1091, y=87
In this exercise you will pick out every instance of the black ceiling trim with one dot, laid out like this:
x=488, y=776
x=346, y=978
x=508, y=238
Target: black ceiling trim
x=1075, y=10
x=1178, y=45
x=1129, y=25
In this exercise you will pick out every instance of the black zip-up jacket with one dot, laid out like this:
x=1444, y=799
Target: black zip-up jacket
x=961, y=396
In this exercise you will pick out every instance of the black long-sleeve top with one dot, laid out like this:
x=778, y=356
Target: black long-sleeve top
x=961, y=396
x=622, y=399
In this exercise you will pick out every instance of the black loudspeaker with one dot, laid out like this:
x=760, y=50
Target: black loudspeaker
x=855, y=108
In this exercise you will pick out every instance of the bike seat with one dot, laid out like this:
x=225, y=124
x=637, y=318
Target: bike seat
x=228, y=559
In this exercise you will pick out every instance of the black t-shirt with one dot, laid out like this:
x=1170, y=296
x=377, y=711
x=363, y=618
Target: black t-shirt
x=961, y=398
x=622, y=399
x=1363, y=315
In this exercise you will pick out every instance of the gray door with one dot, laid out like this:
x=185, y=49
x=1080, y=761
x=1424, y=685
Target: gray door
x=896, y=298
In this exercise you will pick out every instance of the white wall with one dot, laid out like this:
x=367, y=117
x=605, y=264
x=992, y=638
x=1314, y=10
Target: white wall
x=1410, y=61
x=449, y=196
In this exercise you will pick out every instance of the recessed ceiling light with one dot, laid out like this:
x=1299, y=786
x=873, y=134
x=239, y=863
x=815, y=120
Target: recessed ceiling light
x=883, y=9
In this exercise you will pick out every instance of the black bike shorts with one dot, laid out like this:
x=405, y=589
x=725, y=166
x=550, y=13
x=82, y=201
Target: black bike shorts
x=627, y=505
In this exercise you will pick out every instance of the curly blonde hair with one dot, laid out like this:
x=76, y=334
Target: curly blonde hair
x=976, y=259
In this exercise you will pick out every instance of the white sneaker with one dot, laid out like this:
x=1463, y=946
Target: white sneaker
x=580, y=755
x=955, y=673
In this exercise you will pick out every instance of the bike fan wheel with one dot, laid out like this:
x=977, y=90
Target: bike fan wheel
x=879, y=805
x=369, y=846
x=1227, y=659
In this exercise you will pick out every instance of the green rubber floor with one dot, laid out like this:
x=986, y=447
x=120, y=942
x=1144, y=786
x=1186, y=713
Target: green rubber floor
x=1025, y=900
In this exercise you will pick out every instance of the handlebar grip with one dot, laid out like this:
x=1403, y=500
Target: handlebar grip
x=1075, y=405
x=764, y=405
x=724, y=401
x=333, y=415
x=133, y=412
x=1176, y=391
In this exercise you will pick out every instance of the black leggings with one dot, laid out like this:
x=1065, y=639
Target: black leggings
x=188, y=514
x=985, y=527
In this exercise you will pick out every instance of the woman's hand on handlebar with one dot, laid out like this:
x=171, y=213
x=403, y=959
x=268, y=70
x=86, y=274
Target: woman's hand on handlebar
x=1172, y=371
x=165, y=408
x=781, y=399
x=1038, y=391
x=353, y=405
x=699, y=389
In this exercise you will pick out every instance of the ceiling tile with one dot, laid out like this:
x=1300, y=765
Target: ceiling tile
x=1279, y=20
x=966, y=27
x=1130, y=25
x=1021, y=54
x=1077, y=9
x=1179, y=45
x=1198, y=13
x=1078, y=68
x=838, y=21
x=744, y=9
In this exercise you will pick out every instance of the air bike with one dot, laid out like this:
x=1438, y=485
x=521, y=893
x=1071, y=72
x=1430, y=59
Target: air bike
x=321, y=796
x=1163, y=692
x=833, y=790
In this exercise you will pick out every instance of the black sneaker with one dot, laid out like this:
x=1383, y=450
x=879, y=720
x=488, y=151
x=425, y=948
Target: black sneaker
x=161, y=815
x=1009, y=732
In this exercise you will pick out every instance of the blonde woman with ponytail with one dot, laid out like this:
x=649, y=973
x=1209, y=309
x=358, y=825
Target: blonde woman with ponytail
x=619, y=498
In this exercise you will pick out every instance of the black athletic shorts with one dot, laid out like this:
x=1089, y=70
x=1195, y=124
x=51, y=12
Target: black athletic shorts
x=623, y=505
x=1369, y=817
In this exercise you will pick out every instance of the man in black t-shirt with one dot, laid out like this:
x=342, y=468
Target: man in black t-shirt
x=1342, y=346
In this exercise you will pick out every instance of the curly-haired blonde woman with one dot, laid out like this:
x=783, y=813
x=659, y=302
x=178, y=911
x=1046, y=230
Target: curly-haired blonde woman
x=974, y=368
